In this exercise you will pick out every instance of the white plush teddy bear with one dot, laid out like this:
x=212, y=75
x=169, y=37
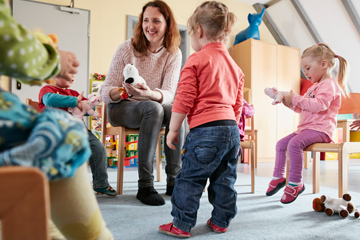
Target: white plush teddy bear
x=343, y=206
x=88, y=106
x=278, y=96
x=131, y=75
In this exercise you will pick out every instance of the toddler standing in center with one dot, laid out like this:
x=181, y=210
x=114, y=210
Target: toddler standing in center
x=210, y=94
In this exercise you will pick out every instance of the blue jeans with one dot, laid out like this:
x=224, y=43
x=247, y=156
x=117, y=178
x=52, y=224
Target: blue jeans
x=210, y=152
x=97, y=161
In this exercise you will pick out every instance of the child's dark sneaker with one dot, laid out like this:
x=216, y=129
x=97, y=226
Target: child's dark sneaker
x=106, y=190
x=170, y=229
x=275, y=186
x=291, y=193
x=216, y=228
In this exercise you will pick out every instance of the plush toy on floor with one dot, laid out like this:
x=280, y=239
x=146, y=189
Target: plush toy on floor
x=88, y=105
x=131, y=75
x=330, y=205
x=278, y=96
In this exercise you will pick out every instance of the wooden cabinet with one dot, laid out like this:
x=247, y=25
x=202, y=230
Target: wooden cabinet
x=269, y=65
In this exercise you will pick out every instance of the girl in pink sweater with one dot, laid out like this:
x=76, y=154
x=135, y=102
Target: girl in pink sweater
x=318, y=109
x=210, y=95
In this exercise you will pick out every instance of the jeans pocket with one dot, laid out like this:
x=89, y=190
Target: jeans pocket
x=205, y=154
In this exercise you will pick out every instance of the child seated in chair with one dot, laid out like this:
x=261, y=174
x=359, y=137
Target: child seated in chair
x=60, y=96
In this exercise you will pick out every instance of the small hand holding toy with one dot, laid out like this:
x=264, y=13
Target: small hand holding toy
x=278, y=96
x=87, y=107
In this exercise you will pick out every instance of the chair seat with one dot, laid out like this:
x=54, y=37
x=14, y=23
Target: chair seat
x=343, y=150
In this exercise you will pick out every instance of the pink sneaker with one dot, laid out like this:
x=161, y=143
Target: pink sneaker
x=170, y=229
x=291, y=193
x=275, y=186
x=216, y=228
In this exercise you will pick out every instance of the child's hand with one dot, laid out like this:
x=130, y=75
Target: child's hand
x=172, y=137
x=79, y=99
x=355, y=124
x=69, y=64
x=288, y=99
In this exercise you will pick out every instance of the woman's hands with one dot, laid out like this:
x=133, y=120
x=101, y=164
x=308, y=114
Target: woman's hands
x=143, y=91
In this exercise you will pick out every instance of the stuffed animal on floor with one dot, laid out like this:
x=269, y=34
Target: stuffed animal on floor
x=273, y=93
x=88, y=105
x=131, y=76
x=330, y=205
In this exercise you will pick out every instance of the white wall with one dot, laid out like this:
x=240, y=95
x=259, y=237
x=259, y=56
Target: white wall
x=332, y=23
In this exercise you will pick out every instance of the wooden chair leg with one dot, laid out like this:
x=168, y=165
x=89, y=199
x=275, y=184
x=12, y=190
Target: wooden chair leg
x=248, y=156
x=255, y=149
x=24, y=208
x=120, y=167
x=252, y=158
x=343, y=173
x=307, y=156
x=316, y=172
x=158, y=161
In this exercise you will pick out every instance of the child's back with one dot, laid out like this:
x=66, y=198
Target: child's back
x=210, y=94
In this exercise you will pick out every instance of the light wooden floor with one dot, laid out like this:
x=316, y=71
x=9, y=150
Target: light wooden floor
x=328, y=173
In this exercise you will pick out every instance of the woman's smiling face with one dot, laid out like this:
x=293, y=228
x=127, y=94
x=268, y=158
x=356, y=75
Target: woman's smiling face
x=154, y=25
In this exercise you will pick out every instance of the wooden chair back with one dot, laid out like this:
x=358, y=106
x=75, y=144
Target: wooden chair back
x=32, y=103
x=24, y=203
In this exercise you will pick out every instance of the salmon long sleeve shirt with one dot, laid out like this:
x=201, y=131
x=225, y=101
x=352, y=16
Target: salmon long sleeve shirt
x=319, y=107
x=210, y=87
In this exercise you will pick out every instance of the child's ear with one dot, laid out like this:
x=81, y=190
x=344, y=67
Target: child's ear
x=324, y=64
x=199, y=31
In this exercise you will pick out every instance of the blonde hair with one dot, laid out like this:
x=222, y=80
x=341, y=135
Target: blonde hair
x=324, y=52
x=215, y=19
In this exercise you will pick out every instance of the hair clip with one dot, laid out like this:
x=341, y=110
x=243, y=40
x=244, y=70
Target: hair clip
x=319, y=44
x=336, y=56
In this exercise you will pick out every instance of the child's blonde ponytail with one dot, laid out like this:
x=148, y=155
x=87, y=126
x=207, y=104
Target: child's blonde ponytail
x=343, y=75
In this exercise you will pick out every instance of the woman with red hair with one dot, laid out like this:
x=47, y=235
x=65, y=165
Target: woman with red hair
x=154, y=51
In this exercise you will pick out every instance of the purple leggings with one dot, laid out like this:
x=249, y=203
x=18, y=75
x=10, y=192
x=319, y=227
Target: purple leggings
x=296, y=144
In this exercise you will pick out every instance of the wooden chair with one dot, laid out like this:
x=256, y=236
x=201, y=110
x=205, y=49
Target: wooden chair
x=32, y=103
x=24, y=204
x=248, y=129
x=122, y=132
x=250, y=145
x=343, y=150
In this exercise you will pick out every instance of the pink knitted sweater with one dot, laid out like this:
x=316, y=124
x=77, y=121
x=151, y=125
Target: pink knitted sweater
x=160, y=70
